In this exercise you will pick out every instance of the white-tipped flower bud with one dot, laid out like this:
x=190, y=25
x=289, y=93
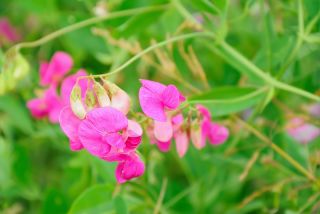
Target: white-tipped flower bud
x=76, y=102
x=101, y=94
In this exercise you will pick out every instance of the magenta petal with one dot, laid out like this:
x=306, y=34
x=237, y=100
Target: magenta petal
x=7, y=31
x=218, y=134
x=182, y=142
x=69, y=82
x=152, y=86
x=129, y=169
x=59, y=65
x=38, y=108
x=204, y=112
x=134, y=133
x=54, y=104
x=98, y=131
x=151, y=104
x=171, y=97
x=69, y=124
x=164, y=146
x=301, y=131
x=163, y=131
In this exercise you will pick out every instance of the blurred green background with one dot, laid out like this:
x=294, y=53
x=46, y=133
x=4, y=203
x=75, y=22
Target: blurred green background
x=38, y=172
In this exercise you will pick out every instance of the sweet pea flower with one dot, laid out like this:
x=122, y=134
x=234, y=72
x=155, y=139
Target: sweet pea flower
x=205, y=129
x=301, y=131
x=119, y=98
x=129, y=168
x=47, y=106
x=8, y=33
x=156, y=98
x=51, y=73
x=180, y=135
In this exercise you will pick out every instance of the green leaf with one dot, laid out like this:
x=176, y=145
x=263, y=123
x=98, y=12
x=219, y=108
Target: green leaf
x=120, y=205
x=227, y=100
x=96, y=199
x=17, y=112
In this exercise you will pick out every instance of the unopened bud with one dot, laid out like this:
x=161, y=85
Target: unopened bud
x=90, y=99
x=76, y=102
x=102, y=95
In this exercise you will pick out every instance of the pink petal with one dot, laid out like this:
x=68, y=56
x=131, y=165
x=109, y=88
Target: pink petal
x=154, y=87
x=151, y=104
x=54, y=104
x=198, y=137
x=182, y=142
x=69, y=82
x=69, y=124
x=301, y=131
x=171, y=97
x=129, y=169
x=7, y=31
x=38, y=108
x=218, y=134
x=204, y=112
x=163, y=131
x=99, y=130
x=134, y=133
x=164, y=146
x=59, y=65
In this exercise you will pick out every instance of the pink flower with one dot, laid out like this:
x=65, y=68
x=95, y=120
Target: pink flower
x=156, y=98
x=69, y=124
x=8, y=33
x=52, y=73
x=301, y=131
x=129, y=168
x=205, y=129
x=180, y=135
x=105, y=128
x=47, y=106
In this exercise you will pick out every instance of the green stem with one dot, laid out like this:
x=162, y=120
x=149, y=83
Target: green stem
x=88, y=22
x=161, y=196
x=296, y=48
x=277, y=149
x=149, y=49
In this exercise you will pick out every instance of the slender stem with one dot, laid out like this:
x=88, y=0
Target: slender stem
x=88, y=22
x=149, y=49
x=277, y=149
x=298, y=43
x=161, y=196
x=235, y=100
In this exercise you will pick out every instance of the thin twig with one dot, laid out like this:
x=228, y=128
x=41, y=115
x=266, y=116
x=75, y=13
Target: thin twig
x=161, y=196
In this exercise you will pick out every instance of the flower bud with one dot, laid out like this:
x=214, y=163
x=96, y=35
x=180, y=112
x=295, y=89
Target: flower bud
x=90, y=99
x=102, y=95
x=119, y=98
x=76, y=102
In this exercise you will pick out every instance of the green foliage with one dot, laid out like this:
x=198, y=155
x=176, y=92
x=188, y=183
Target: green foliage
x=261, y=59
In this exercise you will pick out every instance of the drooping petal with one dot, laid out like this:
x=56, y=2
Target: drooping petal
x=151, y=105
x=164, y=146
x=134, y=133
x=204, y=112
x=198, y=137
x=69, y=82
x=60, y=64
x=38, y=108
x=182, y=142
x=163, y=131
x=171, y=97
x=218, y=134
x=69, y=124
x=129, y=169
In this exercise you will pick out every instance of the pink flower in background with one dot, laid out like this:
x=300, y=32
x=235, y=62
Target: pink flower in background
x=51, y=73
x=129, y=168
x=180, y=135
x=156, y=99
x=8, y=33
x=215, y=133
x=301, y=131
x=47, y=106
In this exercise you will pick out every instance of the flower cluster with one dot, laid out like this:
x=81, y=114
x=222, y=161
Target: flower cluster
x=161, y=103
x=49, y=103
x=93, y=115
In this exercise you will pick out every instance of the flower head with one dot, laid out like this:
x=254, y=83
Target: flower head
x=301, y=131
x=156, y=98
x=130, y=167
